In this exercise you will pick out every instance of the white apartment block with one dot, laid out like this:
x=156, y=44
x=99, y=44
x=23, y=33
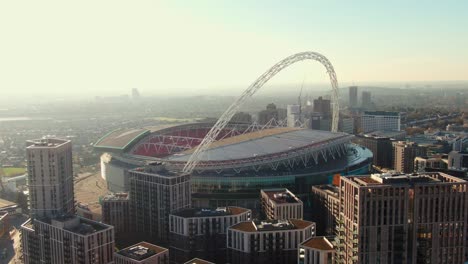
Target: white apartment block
x=380, y=120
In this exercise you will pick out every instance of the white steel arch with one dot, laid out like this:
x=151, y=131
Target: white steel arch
x=253, y=88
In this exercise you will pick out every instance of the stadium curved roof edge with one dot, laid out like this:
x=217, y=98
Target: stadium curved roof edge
x=120, y=139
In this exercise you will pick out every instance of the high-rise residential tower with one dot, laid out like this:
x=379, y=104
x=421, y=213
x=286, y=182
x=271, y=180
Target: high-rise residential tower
x=405, y=218
x=50, y=177
x=155, y=193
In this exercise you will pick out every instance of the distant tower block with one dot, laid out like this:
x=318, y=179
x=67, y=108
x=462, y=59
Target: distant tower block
x=135, y=93
x=366, y=99
x=294, y=115
x=353, y=96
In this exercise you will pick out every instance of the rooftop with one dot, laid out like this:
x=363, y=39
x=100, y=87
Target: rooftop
x=281, y=196
x=120, y=139
x=198, y=261
x=45, y=143
x=320, y=243
x=75, y=224
x=327, y=188
x=264, y=143
x=271, y=225
x=385, y=134
x=141, y=251
x=382, y=113
x=404, y=179
x=116, y=197
x=210, y=212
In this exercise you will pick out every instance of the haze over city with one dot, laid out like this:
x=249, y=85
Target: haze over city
x=239, y=132
x=90, y=48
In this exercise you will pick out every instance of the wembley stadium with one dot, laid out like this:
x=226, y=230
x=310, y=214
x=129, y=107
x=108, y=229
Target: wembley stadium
x=243, y=159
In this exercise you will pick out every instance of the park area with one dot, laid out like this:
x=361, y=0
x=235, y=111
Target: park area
x=11, y=171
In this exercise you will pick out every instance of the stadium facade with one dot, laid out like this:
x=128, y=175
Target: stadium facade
x=243, y=159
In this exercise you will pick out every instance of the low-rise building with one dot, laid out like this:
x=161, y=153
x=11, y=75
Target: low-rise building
x=316, y=250
x=202, y=232
x=281, y=204
x=142, y=253
x=273, y=241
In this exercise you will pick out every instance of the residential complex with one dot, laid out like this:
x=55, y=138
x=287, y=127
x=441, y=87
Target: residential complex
x=403, y=218
x=54, y=234
x=281, y=204
x=202, y=232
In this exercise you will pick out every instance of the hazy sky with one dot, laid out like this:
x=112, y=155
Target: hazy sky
x=166, y=47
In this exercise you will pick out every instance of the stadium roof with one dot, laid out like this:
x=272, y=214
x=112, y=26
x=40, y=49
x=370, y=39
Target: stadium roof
x=263, y=144
x=120, y=139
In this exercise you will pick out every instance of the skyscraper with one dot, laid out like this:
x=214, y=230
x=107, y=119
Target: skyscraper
x=353, y=96
x=50, y=177
x=412, y=218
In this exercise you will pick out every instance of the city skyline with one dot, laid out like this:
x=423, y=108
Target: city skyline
x=63, y=48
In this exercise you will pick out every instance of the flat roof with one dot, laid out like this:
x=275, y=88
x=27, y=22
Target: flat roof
x=271, y=225
x=281, y=196
x=45, y=143
x=141, y=251
x=120, y=139
x=198, y=261
x=320, y=243
x=405, y=179
x=263, y=145
x=116, y=197
x=210, y=212
x=382, y=113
